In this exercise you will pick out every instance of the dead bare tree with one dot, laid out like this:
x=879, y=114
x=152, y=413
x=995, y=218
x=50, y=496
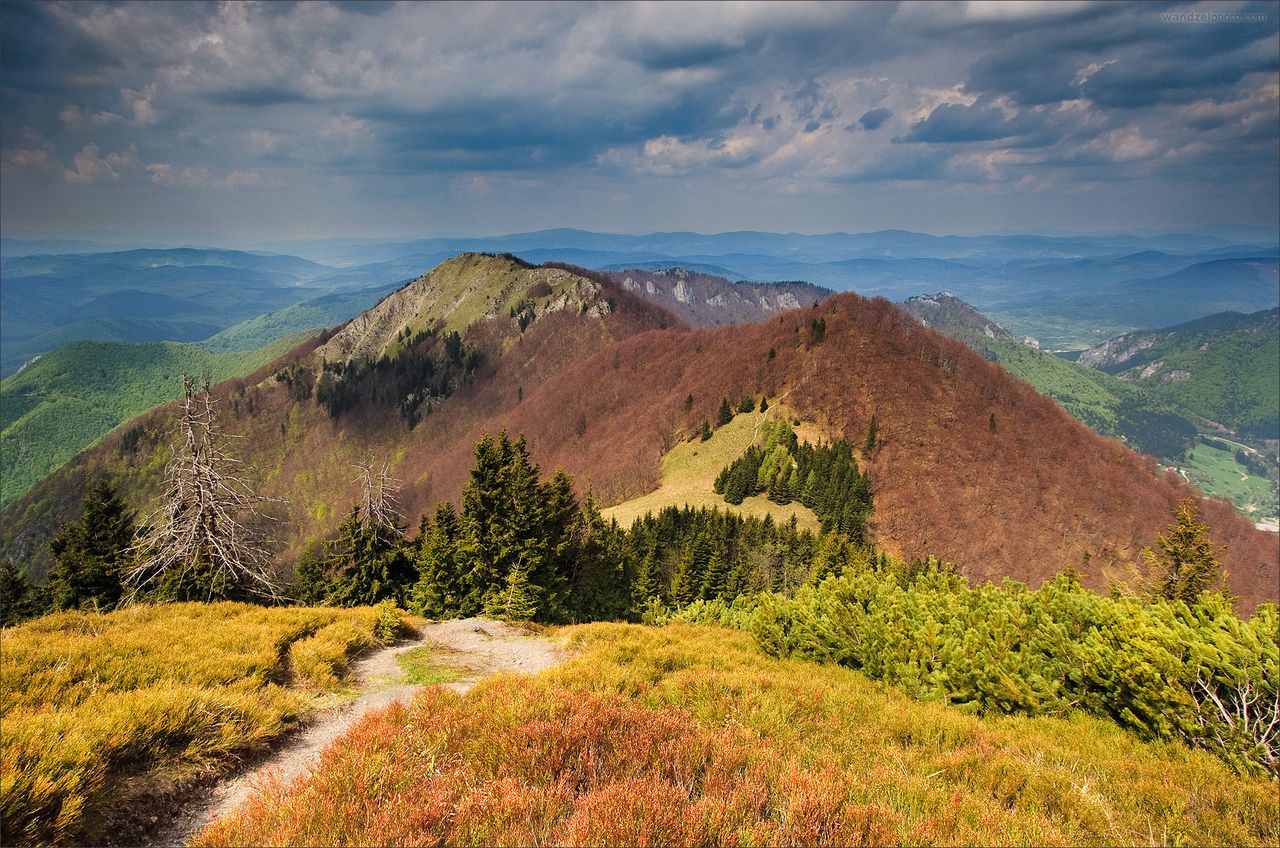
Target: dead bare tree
x=1244, y=713
x=206, y=523
x=379, y=506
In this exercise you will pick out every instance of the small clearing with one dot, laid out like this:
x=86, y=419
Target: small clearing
x=689, y=473
x=474, y=647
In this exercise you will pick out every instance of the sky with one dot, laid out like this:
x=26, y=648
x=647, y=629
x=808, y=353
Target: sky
x=232, y=122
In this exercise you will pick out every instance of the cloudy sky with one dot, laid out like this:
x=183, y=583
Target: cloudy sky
x=235, y=121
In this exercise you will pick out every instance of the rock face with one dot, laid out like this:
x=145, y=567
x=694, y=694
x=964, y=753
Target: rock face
x=456, y=294
x=952, y=316
x=706, y=300
x=1118, y=351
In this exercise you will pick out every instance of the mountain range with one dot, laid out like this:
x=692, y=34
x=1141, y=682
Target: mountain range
x=604, y=382
x=1069, y=291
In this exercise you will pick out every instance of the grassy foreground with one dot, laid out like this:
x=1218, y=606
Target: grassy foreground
x=689, y=736
x=90, y=700
x=689, y=474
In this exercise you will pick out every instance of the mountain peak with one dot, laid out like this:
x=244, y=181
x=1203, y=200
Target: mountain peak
x=459, y=292
x=952, y=316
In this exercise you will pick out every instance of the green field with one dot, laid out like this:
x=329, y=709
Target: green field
x=69, y=399
x=1217, y=473
x=689, y=474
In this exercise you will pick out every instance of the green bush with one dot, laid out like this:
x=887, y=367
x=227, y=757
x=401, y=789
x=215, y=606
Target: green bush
x=1164, y=669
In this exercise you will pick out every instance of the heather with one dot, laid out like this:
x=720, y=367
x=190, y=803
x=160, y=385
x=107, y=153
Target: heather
x=690, y=736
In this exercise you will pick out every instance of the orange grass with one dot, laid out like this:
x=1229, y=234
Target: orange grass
x=688, y=736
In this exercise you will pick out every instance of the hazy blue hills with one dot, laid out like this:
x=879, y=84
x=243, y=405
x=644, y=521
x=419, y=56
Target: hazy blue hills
x=180, y=294
x=1068, y=290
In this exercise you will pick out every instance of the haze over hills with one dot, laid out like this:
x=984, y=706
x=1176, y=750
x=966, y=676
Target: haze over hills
x=139, y=295
x=1064, y=289
x=586, y=370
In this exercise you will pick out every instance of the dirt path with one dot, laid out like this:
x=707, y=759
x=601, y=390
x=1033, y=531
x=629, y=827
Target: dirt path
x=477, y=647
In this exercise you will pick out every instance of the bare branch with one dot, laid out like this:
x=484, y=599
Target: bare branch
x=206, y=515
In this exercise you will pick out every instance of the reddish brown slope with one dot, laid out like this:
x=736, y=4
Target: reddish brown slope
x=1039, y=492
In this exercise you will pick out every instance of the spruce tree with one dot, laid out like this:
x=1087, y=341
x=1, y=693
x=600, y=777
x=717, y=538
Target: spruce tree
x=1187, y=563
x=438, y=593
x=648, y=581
x=725, y=415
x=560, y=541
x=705, y=432
x=371, y=560
x=691, y=569
x=480, y=543
x=518, y=600
x=14, y=595
x=715, y=580
x=90, y=555
x=869, y=443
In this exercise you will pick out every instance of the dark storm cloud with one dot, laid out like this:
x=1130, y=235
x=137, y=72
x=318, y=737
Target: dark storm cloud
x=873, y=119
x=954, y=122
x=759, y=97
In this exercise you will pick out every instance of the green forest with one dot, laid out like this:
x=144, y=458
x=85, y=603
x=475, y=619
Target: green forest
x=69, y=399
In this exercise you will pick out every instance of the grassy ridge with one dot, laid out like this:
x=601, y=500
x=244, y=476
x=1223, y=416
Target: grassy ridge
x=689, y=736
x=1230, y=364
x=689, y=474
x=91, y=699
x=69, y=399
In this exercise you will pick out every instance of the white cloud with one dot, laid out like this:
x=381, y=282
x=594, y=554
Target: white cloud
x=1001, y=10
x=90, y=168
x=140, y=104
x=264, y=141
x=241, y=179
x=165, y=174
x=74, y=117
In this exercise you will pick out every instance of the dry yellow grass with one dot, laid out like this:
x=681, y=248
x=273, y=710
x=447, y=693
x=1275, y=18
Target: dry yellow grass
x=689, y=473
x=90, y=699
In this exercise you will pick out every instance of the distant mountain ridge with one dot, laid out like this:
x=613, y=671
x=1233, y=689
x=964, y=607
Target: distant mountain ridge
x=707, y=300
x=1222, y=367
